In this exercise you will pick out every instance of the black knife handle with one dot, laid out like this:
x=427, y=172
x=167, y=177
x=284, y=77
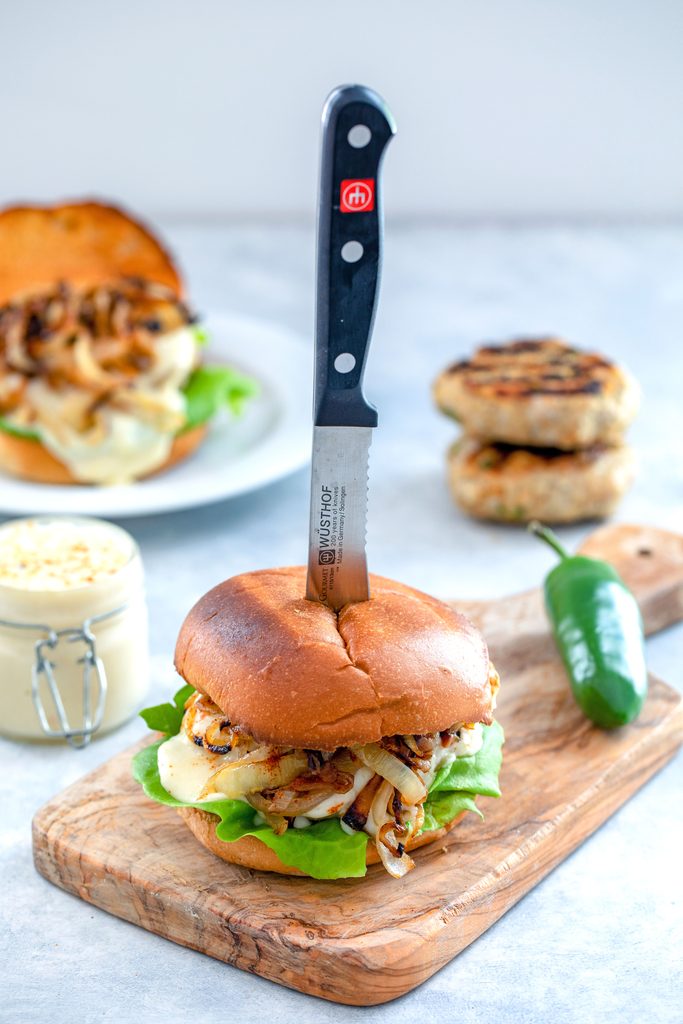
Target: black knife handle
x=349, y=214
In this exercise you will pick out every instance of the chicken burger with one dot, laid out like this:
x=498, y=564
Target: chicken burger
x=102, y=377
x=313, y=742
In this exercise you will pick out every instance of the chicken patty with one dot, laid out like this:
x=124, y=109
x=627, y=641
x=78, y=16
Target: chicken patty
x=539, y=392
x=510, y=484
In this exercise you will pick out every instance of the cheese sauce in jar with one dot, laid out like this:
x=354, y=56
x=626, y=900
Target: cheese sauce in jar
x=71, y=591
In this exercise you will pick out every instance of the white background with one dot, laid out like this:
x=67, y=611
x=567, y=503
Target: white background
x=505, y=108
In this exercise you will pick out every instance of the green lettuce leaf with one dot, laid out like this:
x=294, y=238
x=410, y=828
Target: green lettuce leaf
x=15, y=431
x=168, y=717
x=212, y=388
x=440, y=808
x=456, y=785
x=476, y=774
x=324, y=849
x=201, y=335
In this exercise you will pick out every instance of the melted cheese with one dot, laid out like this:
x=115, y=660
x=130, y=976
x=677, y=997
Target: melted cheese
x=124, y=444
x=339, y=803
x=469, y=742
x=128, y=449
x=185, y=769
x=175, y=357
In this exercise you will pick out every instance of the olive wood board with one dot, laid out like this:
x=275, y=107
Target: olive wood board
x=367, y=941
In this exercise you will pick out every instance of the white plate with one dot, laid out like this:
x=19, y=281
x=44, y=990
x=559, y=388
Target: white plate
x=270, y=440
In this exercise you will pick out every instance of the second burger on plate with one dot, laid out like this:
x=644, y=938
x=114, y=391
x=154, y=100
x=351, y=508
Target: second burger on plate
x=102, y=376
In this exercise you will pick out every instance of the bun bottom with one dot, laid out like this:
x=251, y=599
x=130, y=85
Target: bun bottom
x=250, y=852
x=30, y=460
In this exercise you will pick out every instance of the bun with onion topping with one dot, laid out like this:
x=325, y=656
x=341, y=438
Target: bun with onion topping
x=314, y=742
x=101, y=375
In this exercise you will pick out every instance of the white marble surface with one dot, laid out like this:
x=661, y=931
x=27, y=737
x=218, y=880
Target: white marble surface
x=599, y=939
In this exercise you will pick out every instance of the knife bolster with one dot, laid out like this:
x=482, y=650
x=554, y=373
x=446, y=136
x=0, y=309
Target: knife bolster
x=344, y=408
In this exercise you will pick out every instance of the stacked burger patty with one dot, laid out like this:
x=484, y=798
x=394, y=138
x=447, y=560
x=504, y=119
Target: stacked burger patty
x=544, y=428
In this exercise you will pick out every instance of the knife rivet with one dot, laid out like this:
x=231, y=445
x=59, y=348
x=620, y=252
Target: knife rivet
x=351, y=252
x=344, y=362
x=359, y=136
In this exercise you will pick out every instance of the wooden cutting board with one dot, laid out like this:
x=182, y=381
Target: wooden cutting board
x=366, y=941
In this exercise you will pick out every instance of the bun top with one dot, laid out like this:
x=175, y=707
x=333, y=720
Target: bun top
x=84, y=244
x=293, y=672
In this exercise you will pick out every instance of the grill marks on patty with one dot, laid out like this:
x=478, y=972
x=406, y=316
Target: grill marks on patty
x=497, y=456
x=544, y=366
x=543, y=431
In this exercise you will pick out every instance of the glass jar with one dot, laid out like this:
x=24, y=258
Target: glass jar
x=73, y=628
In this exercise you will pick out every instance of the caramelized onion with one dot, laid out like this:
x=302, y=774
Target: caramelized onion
x=306, y=791
x=379, y=814
x=417, y=822
x=393, y=856
x=412, y=743
x=263, y=768
x=276, y=821
x=387, y=840
x=218, y=737
x=358, y=812
x=289, y=802
x=89, y=373
x=99, y=341
x=401, y=777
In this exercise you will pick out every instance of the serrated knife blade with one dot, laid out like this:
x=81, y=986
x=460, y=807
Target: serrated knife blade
x=337, y=565
x=356, y=129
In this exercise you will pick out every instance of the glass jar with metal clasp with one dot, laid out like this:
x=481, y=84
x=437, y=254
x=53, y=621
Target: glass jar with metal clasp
x=73, y=628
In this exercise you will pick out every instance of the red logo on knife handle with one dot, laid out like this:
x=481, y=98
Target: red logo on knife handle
x=357, y=195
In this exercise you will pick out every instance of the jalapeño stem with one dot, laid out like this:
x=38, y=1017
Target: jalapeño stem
x=539, y=530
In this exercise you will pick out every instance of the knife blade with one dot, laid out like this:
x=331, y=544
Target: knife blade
x=356, y=129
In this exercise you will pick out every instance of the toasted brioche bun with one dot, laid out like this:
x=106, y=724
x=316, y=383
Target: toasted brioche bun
x=30, y=460
x=83, y=243
x=292, y=672
x=250, y=852
x=539, y=392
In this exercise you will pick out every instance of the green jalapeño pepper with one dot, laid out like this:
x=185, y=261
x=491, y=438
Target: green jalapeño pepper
x=599, y=633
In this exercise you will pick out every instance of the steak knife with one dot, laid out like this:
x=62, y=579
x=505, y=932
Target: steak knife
x=356, y=129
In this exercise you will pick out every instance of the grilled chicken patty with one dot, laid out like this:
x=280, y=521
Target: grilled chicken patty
x=379, y=788
x=512, y=484
x=539, y=392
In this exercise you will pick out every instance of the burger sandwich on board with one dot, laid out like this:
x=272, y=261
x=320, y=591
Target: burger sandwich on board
x=314, y=741
x=330, y=720
x=101, y=372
